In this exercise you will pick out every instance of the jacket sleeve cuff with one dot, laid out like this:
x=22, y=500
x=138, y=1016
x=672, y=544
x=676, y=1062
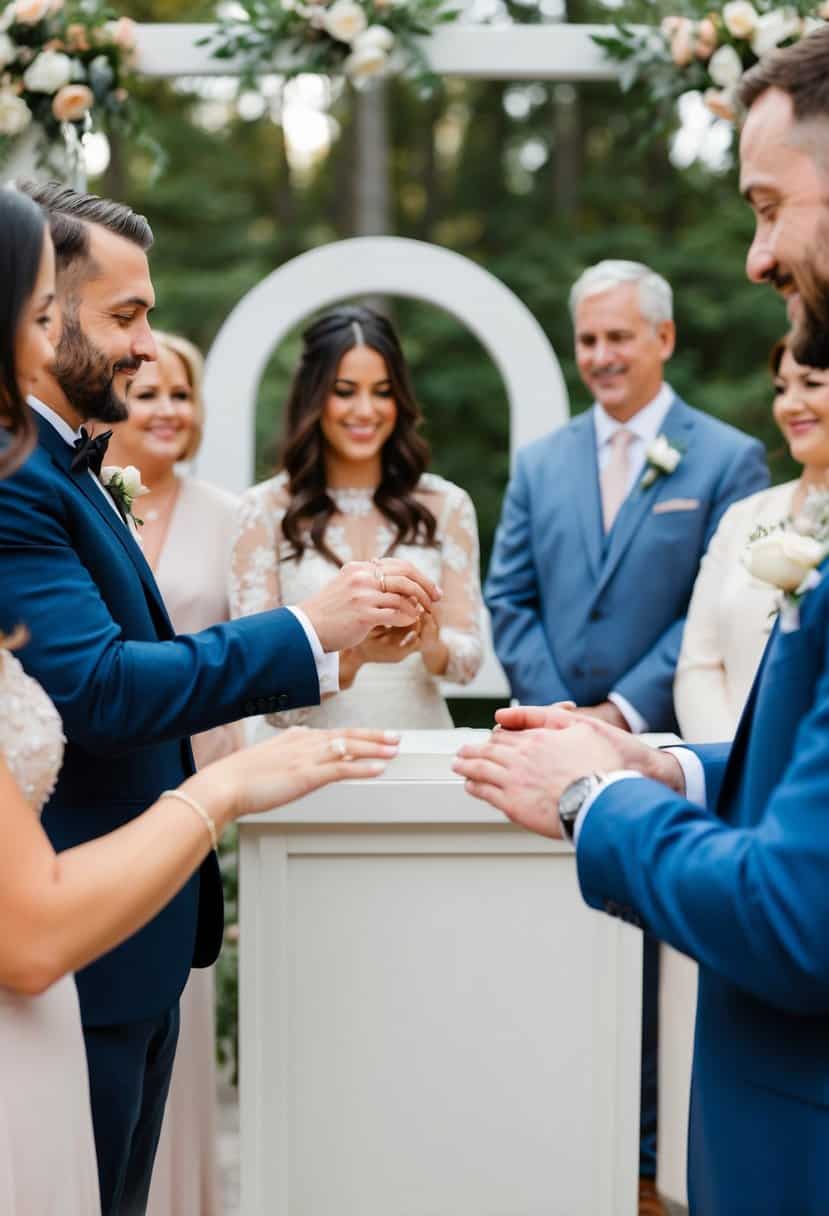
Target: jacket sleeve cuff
x=328, y=665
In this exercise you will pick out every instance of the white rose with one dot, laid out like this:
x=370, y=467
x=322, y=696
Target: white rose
x=722, y=103
x=377, y=36
x=365, y=63
x=7, y=16
x=131, y=481
x=740, y=17
x=345, y=20
x=30, y=12
x=773, y=28
x=725, y=67
x=8, y=51
x=50, y=71
x=661, y=454
x=783, y=559
x=15, y=115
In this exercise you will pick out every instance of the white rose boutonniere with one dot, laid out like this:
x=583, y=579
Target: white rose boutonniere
x=661, y=458
x=124, y=486
x=787, y=556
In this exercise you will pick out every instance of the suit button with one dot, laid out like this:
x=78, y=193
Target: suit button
x=596, y=614
x=282, y=699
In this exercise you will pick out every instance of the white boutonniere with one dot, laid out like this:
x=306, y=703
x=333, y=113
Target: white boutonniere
x=787, y=555
x=661, y=459
x=124, y=486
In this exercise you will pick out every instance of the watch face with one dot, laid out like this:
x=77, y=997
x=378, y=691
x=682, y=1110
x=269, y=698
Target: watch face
x=575, y=794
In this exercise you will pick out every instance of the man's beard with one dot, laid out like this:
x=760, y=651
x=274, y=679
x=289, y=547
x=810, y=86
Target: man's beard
x=86, y=375
x=810, y=333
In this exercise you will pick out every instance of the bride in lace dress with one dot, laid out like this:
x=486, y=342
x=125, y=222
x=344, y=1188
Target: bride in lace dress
x=354, y=488
x=59, y=911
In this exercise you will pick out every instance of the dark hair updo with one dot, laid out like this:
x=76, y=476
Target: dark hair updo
x=22, y=230
x=405, y=454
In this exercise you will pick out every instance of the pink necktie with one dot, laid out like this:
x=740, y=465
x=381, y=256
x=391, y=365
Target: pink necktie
x=616, y=476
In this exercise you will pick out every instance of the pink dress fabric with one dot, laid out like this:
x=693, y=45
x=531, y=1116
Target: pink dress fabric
x=192, y=573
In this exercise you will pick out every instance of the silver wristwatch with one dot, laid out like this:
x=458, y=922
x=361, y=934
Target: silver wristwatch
x=573, y=798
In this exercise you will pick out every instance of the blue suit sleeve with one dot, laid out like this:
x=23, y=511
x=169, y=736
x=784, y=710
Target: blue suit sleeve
x=649, y=685
x=116, y=695
x=512, y=595
x=750, y=903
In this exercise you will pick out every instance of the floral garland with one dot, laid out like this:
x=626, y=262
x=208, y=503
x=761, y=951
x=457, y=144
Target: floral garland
x=362, y=40
x=62, y=70
x=706, y=50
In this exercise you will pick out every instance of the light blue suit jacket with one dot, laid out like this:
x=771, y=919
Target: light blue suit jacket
x=745, y=891
x=577, y=615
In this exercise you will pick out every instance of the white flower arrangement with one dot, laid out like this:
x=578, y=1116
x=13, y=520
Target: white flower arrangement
x=361, y=40
x=661, y=459
x=124, y=486
x=706, y=50
x=62, y=62
x=787, y=556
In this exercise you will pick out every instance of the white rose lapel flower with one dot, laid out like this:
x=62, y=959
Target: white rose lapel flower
x=788, y=554
x=124, y=486
x=661, y=459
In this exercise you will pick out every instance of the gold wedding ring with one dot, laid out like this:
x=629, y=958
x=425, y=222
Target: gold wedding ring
x=339, y=748
x=379, y=574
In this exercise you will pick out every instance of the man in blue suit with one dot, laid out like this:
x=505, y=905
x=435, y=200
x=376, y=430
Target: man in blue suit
x=602, y=531
x=129, y=691
x=725, y=852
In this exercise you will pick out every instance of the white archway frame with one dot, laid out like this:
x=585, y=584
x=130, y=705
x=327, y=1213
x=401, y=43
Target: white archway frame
x=391, y=266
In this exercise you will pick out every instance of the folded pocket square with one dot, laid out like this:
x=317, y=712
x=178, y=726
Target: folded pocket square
x=675, y=504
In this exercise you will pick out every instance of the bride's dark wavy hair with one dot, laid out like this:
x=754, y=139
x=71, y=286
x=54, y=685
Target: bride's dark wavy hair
x=22, y=232
x=405, y=454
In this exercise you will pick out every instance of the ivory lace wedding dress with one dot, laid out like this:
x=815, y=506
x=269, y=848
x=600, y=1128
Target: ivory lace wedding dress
x=264, y=574
x=47, y=1153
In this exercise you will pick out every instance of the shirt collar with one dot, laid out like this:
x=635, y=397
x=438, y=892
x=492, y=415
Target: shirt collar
x=645, y=424
x=59, y=424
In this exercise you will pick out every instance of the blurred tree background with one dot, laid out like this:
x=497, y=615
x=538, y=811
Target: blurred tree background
x=535, y=181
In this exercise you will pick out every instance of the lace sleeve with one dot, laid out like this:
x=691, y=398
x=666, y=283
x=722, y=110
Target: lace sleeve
x=461, y=606
x=255, y=585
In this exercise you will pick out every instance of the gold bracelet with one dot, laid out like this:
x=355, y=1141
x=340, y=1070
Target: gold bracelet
x=200, y=811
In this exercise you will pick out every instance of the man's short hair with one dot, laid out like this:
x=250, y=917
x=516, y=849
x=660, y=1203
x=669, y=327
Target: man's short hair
x=801, y=70
x=70, y=213
x=656, y=299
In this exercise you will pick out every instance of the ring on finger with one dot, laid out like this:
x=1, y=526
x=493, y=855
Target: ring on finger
x=339, y=748
x=379, y=574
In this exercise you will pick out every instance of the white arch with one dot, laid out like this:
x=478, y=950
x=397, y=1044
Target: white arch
x=390, y=266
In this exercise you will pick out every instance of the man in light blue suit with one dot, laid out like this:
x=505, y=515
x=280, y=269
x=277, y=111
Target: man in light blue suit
x=724, y=852
x=602, y=531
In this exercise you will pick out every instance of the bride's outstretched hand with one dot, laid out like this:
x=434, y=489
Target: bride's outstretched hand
x=299, y=760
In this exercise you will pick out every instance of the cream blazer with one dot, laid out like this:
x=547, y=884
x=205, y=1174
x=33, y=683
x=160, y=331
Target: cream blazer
x=728, y=623
x=193, y=572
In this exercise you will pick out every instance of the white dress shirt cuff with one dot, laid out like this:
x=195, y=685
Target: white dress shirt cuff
x=328, y=665
x=693, y=772
x=610, y=779
x=634, y=719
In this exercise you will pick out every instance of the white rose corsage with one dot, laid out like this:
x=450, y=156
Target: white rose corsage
x=124, y=486
x=787, y=556
x=661, y=459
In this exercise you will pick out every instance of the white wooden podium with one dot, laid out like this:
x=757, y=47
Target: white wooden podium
x=432, y=1022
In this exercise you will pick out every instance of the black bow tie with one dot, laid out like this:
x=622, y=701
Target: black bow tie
x=90, y=451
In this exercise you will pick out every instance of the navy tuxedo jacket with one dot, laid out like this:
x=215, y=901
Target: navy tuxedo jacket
x=743, y=887
x=130, y=694
x=577, y=615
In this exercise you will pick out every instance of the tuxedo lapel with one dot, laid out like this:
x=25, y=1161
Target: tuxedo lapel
x=583, y=492
x=61, y=454
x=677, y=426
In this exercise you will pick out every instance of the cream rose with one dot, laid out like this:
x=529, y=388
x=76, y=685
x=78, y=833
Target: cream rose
x=72, y=102
x=773, y=28
x=123, y=33
x=30, y=12
x=365, y=63
x=15, y=115
x=682, y=41
x=50, y=71
x=345, y=21
x=661, y=454
x=8, y=51
x=721, y=102
x=725, y=67
x=128, y=478
x=740, y=17
x=783, y=559
x=706, y=39
x=377, y=36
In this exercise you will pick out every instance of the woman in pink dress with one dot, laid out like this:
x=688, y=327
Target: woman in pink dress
x=60, y=911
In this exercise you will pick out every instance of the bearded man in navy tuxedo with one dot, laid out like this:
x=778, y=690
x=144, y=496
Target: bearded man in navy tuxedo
x=129, y=691
x=724, y=851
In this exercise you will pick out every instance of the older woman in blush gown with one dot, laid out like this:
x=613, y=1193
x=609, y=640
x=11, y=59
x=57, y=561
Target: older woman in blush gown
x=187, y=537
